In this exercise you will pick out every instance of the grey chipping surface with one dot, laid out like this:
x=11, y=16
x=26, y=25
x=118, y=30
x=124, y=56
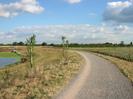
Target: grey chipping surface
x=104, y=81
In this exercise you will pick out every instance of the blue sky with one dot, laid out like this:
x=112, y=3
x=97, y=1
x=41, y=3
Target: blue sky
x=111, y=17
x=60, y=12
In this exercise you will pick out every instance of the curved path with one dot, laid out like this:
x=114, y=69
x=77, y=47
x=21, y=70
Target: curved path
x=99, y=79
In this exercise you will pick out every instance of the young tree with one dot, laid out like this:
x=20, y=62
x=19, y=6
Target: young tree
x=130, y=51
x=67, y=43
x=63, y=45
x=30, y=49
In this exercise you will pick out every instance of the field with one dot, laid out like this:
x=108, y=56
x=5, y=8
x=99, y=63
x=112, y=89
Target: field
x=45, y=80
x=5, y=49
x=121, y=56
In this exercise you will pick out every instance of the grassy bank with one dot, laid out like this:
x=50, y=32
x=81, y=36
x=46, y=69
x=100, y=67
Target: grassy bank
x=121, y=56
x=48, y=78
x=9, y=55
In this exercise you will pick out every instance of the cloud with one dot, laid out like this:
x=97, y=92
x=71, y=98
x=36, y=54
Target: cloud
x=119, y=4
x=73, y=1
x=119, y=11
x=121, y=28
x=14, y=9
x=75, y=33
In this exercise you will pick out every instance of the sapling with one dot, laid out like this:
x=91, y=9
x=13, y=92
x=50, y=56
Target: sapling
x=67, y=46
x=30, y=49
x=129, y=54
x=63, y=45
x=67, y=43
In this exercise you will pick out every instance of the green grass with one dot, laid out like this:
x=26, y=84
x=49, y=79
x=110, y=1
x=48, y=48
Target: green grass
x=9, y=55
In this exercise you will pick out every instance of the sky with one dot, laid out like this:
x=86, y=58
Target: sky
x=81, y=21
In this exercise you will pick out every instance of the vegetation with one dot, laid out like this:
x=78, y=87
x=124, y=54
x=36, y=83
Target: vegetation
x=18, y=43
x=122, y=57
x=107, y=44
x=65, y=43
x=50, y=77
x=9, y=55
x=125, y=53
x=30, y=49
x=44, y=44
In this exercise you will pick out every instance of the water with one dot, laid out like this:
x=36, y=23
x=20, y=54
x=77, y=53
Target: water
x=7, y=61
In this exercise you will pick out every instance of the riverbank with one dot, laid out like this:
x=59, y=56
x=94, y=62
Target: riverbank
x=9, y=55
x=9, y=59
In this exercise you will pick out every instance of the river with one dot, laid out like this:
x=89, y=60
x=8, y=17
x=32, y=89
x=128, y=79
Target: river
x=7, y=61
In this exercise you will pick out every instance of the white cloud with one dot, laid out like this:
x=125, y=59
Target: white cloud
x=75, y=33
x=14, y=9
x=73, y=1
x=119, y=4
x=119, y=11
x=121, y=28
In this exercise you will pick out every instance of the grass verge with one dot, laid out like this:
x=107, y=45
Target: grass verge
x=49, y=77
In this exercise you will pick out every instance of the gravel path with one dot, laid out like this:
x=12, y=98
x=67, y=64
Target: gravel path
x=99, y=79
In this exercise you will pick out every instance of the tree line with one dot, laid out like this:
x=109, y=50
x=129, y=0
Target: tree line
x=107, y=44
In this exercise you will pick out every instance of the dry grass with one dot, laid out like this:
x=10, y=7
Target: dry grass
x=42, y=82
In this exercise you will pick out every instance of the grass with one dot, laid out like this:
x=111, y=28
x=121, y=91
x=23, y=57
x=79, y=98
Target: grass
x=44, y=81
x=121, y=56
x=125, y=53
x=9, y=55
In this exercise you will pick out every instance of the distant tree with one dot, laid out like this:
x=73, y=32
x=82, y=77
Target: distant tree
x=14, y=43
x=51, y=44
x=122, y=43
x=21, y=43
x=107, y=44
x=1, y=44
x=17, y=43
x=44, y=44
x=131, y=43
